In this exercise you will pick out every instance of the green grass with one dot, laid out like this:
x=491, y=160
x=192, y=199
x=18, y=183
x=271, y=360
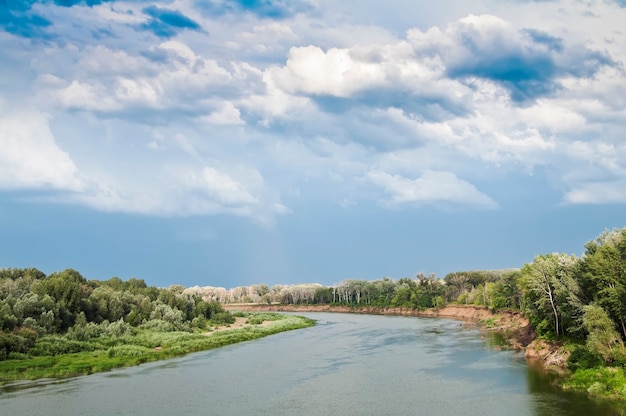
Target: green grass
x=145, y=345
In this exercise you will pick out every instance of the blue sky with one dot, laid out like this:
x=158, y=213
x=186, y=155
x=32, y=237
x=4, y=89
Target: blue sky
x=229, y=143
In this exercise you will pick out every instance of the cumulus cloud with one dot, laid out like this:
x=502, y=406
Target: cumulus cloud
x=137, y=82
x=226, y=114
x=269, y=90
x=528, y=62
x=30, y=157
x=431, y=187
x=180, y=192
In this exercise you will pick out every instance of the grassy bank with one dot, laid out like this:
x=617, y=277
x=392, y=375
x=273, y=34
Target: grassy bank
x=139, y=346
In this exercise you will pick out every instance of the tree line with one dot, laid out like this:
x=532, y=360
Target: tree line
x=34, y=306
x=564, y=296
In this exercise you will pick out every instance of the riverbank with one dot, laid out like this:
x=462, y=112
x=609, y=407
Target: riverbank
x=142, y=346
x=468, y=312
x=513, y=324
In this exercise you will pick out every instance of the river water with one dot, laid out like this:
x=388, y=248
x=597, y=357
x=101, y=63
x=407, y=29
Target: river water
x=345, y=365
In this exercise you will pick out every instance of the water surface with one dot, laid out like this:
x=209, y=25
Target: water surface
x=346, y=365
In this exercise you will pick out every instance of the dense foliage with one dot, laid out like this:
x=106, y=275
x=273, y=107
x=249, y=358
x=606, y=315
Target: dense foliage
x=64, y=312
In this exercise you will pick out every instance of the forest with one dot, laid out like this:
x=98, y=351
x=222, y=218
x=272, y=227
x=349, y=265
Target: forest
x=577, y=301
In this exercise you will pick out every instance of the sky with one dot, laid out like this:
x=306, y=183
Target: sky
x=237, y=142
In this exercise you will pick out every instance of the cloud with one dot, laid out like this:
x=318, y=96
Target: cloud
x=300, y=105
x=32, y=160
x=219, y=187
x=527, y=62
x=598, y=193
x=431, y=188
x=30, y=157
x=114, y=82
x=227, y=114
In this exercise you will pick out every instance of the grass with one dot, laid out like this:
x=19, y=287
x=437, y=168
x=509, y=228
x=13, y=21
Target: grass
x=145, y=345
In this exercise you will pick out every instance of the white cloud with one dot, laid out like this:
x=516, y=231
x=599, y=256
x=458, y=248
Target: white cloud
x=227, y=114
x=112, y=81
x=335, y=72
x=326, y=100
x=219, y=187
x=30, y=157
x=182, y=192
x=431, y=187
x=606, y=192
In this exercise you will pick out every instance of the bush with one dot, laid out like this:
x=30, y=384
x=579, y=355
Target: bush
x=118, y=329
x=582, y=358
x=259, y=318
x=85, y=332
x=18, y=341
x=128, y=351
x=603, y=383
x=223, y=318
x=57, y=345
x=199, y=322
x=158, y=325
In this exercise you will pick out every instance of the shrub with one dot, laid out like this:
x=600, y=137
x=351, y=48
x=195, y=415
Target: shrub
x=223, y=318
x=128, y=351
x=118, y=329
x=158, y=325
x=57, y=345
x=583, y=358
x=85, y=332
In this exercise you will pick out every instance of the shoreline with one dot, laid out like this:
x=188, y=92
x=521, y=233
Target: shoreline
x=506, y=319
x=519, y=333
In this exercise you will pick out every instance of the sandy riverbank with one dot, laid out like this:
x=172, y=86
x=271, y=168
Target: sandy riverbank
x=238, y=324
x=466, y=312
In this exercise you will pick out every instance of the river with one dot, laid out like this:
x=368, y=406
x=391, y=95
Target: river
x=346, y=365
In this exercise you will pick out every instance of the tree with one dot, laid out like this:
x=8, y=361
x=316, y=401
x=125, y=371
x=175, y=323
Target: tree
x=68, y=288
x=456, y=284
x=603, y=274
x=602, y=337
x=551, y=293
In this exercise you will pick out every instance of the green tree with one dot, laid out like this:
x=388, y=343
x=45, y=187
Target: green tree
x=603, y=274
x=602, y=337
x=551, y=293
x=68, y=289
